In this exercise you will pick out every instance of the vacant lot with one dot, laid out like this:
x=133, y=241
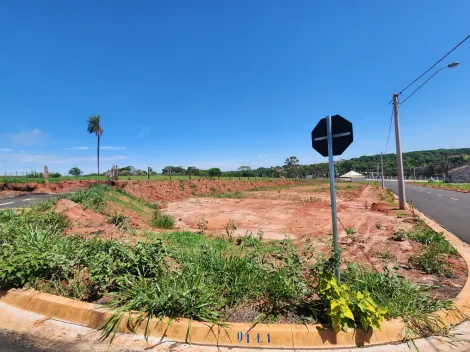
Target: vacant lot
x=231, y=251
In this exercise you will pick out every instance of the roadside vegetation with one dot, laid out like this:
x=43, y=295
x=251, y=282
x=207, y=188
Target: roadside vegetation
x=462, y=187
x=183, y=274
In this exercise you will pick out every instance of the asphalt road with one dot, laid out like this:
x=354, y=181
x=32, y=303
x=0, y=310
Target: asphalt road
x=25, y=200
x=448, y=208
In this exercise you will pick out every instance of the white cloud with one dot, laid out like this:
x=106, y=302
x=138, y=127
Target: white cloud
x=6, y=150
x=263, y=156
x=77, y=148
x=35, y=137
x=144, y=132
x=112, y=148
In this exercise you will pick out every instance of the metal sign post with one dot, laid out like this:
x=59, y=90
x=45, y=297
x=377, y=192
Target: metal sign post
x=331, y=162
x=332, y=136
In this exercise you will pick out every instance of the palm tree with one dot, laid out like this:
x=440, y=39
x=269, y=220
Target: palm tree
x=95, y=127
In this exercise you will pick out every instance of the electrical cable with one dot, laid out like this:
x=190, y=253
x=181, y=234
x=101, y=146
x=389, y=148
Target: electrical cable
x=389, y=130
x=426, y=81
x=429, y=69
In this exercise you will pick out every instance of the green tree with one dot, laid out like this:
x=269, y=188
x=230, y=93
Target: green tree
x=95, y=128
x=291, y=165
x=215, y=171
x=75, y=171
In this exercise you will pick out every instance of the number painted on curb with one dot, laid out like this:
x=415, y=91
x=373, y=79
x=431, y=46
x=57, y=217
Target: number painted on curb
x=258, y=338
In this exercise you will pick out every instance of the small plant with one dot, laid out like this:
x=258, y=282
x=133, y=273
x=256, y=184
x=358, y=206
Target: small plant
x=182, y=185
x=213, y=189
x=260, y=234
x=192, y=185
x=385, y=256
x=347, y=307
x=162, y=221
x=202, y=225
x=119, y=220
x=379, y=226
x=432, y=261
x=350, y=231
x=401, y=215
x=230, y=229
x=400, y=235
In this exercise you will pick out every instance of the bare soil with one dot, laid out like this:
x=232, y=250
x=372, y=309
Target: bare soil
x=304, y=213
x=300, y=211
x=86, y=223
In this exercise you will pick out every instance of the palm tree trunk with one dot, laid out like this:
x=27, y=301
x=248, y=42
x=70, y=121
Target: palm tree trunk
x=98, y=151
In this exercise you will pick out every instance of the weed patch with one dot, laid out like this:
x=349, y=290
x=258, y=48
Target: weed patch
x=162, y=221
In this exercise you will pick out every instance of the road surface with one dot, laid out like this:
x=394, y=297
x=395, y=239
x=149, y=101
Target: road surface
x=448, y=208
x=25, y=200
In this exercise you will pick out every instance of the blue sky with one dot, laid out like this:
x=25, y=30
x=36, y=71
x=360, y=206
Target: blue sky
x=223, y=83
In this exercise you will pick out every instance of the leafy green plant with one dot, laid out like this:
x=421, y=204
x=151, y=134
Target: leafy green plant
x=120, y=220
x=379, y=226
x=350, y=230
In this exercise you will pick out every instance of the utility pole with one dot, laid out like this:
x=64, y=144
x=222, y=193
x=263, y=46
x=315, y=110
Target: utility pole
x=382, y=163
x=400, y=180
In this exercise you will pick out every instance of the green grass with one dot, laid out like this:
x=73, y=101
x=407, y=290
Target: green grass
x=183, y=274
x=400, y=297
x=162, y=221
x=433, y=258
x=442, y=185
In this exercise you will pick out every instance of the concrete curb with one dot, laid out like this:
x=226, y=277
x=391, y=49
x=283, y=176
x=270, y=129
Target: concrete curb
x=239, y=334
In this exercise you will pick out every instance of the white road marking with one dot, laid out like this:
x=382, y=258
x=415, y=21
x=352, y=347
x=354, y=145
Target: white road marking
x=439, y=195
x=454, y=198
x=421, y=190
x=6, y=203
x=25, y=200
x=429, y=192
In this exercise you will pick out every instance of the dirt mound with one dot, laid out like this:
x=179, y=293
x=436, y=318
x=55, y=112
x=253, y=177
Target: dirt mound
x=86, y=223
x=154, y=191
x=381, y=207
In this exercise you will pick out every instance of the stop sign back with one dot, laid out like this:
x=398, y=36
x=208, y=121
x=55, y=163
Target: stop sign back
x=342, y=133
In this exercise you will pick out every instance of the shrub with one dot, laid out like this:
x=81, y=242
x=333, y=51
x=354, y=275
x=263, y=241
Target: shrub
x=202, y=224
x=162, y=221
x=119, y=220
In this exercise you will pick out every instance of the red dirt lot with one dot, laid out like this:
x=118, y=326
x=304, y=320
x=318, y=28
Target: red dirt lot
x=156, y=191
x=304, y=214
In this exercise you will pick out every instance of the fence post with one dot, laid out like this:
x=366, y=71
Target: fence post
x=46, y=176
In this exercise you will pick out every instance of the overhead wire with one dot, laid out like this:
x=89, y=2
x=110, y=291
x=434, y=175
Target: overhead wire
x=429, y=69
x=389, y=130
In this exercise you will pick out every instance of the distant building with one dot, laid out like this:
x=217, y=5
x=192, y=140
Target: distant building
x=352, y=176
x=460, y=174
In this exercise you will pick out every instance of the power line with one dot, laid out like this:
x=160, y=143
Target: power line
x=389, y=130
x=409, y=96
x=429, y=69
